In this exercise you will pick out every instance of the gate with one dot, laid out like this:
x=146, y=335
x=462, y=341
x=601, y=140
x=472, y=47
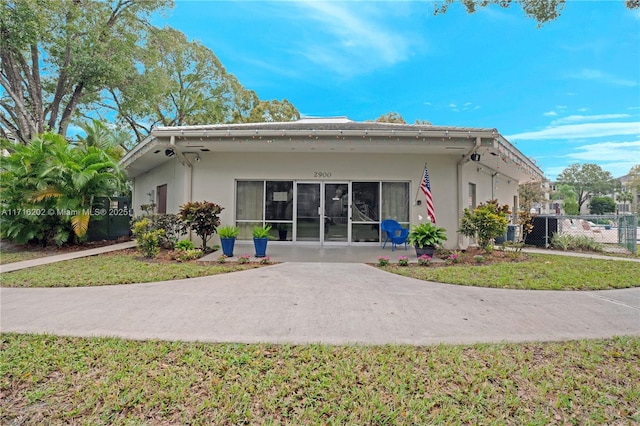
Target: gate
x=628, y=232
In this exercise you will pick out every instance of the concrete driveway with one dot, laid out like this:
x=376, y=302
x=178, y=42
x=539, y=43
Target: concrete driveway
x=333, y=303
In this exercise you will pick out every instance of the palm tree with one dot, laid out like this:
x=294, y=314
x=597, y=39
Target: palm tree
x=625, y=197
x=113, y=141
x=78, y=175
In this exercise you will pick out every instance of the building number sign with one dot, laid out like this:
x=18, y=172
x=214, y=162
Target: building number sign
x=322, y=174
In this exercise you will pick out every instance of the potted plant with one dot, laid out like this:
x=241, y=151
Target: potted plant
x=261, y=235
x=228, y=236
x=283, y=230
x=425, y=237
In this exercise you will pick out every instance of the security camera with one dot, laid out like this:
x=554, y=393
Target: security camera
x=169, y=152
x=198, y=159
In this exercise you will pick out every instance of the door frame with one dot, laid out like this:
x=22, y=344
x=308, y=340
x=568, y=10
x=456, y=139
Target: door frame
x=321, y=212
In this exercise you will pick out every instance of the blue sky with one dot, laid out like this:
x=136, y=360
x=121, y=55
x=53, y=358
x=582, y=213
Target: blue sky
x=566, y=93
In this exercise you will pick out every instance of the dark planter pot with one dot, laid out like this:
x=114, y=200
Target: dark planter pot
x=260, y=244
x=282, y=234
x=429, y=251
x=227, y=246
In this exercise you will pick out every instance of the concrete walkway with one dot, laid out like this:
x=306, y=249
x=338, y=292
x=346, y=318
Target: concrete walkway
x=336, y=303
x=9, y=267
x=326, y=295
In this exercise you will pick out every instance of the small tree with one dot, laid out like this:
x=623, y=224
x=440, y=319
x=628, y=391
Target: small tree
x=625, y=197
x=485, y=222
x=530, y=193
x=602, y=205
x=202, y=218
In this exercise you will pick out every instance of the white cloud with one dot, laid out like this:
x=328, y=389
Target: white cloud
x=354, y=37
x=584, y=130
x=550, y=114
x=583, y=118
x=608, y=152
x=597, y=75
x=452, y=105
x=583, y=109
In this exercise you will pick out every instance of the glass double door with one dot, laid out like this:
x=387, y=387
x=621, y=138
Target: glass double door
x=322, y=212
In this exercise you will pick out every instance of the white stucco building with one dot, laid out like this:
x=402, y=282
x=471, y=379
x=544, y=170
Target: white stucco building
x=327, y=181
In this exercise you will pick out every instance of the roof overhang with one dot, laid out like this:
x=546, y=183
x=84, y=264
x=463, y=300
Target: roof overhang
x=186, y=142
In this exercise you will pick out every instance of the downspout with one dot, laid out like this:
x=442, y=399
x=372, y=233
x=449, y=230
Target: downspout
x=464, y=160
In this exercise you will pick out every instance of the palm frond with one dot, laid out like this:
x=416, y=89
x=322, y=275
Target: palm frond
x=80, y=222
x=48, y=192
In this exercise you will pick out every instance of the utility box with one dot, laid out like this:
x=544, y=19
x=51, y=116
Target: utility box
x=110, y=219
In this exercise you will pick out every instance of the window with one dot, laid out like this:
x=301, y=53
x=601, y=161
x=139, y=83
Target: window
x=261, y=202
x=395, y=202
x=249, y=206
x=472, y=196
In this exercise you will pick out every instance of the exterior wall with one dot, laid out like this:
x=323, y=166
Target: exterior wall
x=215, y=174
x=170, y=173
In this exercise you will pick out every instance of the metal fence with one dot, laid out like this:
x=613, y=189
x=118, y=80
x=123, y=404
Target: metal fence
x=615, y=232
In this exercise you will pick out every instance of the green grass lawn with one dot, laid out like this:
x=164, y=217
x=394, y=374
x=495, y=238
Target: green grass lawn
x=111, y=268
x=113, y=381
x=538, y=272
x=11, y=257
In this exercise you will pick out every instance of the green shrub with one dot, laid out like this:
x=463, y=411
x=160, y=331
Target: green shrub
x=575, y=242
x=485, y=223
x=183, y=255
x=202, y=218
x=147, y=238
x=171, y=224
x=184, y=245
x=149, y=243
x=48, y=176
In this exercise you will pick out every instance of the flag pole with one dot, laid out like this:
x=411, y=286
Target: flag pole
x=421, y=176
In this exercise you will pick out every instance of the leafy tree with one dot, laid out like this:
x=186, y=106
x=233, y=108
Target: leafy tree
x=177, y=82
x=485, y=223
x=391, y=117
x=542, y=11
x=87, y=45
x=106, y=56
x=202, y=217
x=422, y=123
x=569, y=197
x=602, y=205
x=570, y=207
x=530, y=193
x=587, y=180
x=634, y=178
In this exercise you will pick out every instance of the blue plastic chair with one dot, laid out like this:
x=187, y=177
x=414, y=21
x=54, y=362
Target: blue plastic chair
x=395, y=233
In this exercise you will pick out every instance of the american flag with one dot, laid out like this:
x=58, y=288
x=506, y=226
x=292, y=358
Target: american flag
x=425, y=185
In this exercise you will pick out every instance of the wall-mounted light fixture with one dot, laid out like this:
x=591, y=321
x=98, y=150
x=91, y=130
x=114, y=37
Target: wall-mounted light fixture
x=169, y=152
